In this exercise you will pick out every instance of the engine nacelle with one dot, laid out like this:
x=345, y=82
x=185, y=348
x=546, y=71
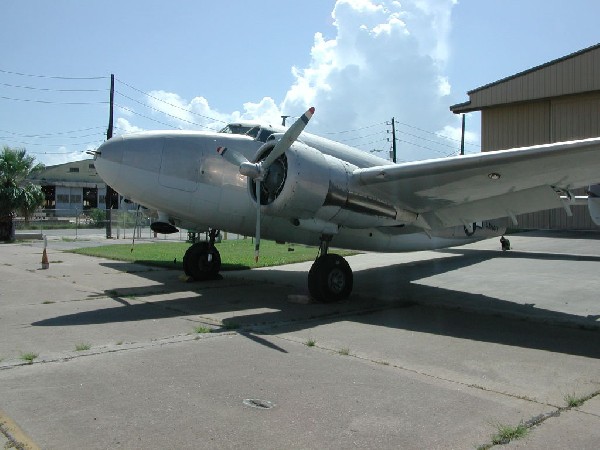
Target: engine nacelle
x=297, y=183
x=307, y=184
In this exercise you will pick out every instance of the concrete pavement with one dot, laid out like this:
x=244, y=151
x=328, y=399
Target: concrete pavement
x=433, y=350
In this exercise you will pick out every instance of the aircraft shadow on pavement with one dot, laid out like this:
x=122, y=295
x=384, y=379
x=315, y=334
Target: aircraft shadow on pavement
x=407, y=304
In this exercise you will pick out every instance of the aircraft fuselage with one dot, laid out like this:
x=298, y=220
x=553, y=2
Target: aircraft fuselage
x=182, y=175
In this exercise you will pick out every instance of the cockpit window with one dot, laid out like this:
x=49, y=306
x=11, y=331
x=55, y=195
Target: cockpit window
x=258, y=132
x=263, y=135
x=253, y=132
x=233, y=128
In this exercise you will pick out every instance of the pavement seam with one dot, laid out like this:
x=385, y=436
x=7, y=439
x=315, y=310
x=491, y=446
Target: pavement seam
x=417, y=372
x=529, y=424
x=102, y=350
x=16, y=437
x=541, y=418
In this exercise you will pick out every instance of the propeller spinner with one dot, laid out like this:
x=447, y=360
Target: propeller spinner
x=258, y=170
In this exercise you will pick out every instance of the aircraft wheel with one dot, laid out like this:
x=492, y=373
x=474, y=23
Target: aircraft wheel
x=202, y=262
x=330, y=279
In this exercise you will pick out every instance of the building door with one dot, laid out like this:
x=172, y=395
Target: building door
x=90, y=198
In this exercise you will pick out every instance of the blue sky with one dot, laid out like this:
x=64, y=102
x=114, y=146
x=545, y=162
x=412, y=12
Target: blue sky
x=198, y=64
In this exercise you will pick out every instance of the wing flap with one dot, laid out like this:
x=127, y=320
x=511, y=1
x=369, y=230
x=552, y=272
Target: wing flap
x=506, y=205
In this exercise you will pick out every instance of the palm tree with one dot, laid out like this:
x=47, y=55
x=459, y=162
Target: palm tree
x=17, y=194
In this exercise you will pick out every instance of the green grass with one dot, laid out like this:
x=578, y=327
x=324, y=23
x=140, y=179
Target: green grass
x=311, y=342
x=202, y=329
x=29, y=357
x=507, y=433
x=344, y=351
x=235, y=254
x=82, y=347
x=573, y=401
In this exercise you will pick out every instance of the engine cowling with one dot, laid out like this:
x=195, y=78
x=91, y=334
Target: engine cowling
x=297, y=183
x=305, y=184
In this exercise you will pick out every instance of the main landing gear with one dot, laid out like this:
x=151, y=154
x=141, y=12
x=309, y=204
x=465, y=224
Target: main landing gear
x=330, y=278
x=202, y=261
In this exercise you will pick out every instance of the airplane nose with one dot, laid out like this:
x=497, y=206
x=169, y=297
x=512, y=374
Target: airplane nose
x=111, y=150
x=109, y=157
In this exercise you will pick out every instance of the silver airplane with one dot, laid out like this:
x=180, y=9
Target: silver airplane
x=291, y=186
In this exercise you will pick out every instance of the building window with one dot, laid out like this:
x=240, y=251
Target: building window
x=73, y=169
x=75, y=199
x=62, y=198
x=91, y=166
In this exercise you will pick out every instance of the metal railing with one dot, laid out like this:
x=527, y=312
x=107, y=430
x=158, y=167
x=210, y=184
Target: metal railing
x=79, y=224
x=76, y=223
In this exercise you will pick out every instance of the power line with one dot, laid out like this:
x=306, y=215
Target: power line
x=55, y=153
x=51, y=90
x=167, y=103
x=58, y=133
x=356, y=129
x=441, y=136
x=52, y=77
x=162, y=112
x=55, y=145
x=145, y=117
x=48, y=102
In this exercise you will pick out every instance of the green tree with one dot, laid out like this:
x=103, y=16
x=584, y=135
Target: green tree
x=17, y=194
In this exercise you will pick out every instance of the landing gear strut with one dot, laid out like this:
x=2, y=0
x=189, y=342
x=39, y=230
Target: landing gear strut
x=202, y=261
x=330, y=278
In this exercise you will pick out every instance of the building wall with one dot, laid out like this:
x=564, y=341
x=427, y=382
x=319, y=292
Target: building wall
x=541, y=122
x=520, y=125
x=576, y=117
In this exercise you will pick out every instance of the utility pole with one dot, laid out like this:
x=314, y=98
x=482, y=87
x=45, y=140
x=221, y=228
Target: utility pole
x=393, y=140
x=109, y=133
x=283, y=120
x=462, y=137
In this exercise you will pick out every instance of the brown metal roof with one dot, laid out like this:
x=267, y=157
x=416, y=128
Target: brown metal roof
x=575, y=73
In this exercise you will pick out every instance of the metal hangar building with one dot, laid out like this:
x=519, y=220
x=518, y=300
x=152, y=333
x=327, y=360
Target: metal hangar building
x=554, y=102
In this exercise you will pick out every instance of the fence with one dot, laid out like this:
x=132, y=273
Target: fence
x=80, y=223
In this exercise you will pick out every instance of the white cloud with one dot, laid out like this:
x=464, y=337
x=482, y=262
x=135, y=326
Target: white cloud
x=61, y=156
x=387, y=59
x=124, y=126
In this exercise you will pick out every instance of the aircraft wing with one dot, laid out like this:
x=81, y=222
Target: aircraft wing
x=465, y=189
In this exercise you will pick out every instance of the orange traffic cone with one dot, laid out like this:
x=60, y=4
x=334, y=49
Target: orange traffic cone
x=45, y=263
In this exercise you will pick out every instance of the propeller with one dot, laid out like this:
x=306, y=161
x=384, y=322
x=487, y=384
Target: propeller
x=258, y=170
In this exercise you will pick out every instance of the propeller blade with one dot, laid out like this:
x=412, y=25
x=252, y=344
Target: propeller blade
x=232, y=156
x=256, y=171
x=257, y=237
x=288, y=137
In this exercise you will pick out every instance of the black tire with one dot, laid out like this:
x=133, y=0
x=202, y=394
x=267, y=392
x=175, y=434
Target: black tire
x=330, y=279
x=202, y=262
